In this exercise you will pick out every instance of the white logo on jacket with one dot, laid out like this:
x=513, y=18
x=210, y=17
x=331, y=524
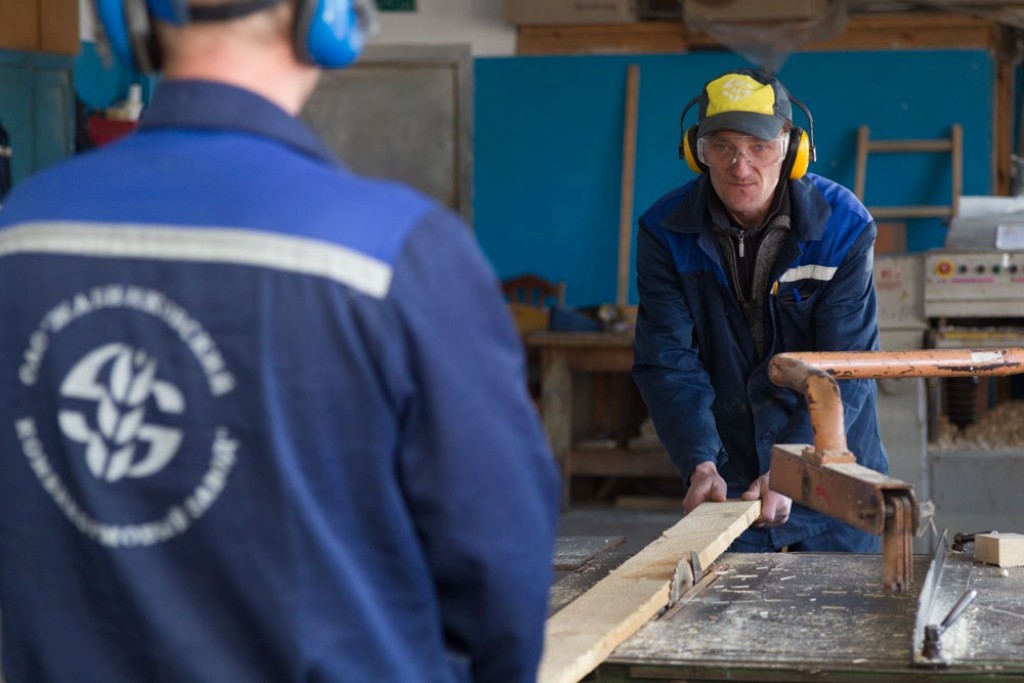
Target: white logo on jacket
x=117, y=412
x=113, y=448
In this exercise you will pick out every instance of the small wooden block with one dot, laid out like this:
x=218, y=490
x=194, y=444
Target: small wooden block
x=1004, y=550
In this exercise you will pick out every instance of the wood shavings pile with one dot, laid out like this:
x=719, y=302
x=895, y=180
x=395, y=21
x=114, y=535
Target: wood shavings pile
x=1001, y=428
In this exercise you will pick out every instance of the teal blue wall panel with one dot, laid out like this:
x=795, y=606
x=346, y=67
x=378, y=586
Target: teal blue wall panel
x=37, y=108
x=17, y=112
x=548, y=144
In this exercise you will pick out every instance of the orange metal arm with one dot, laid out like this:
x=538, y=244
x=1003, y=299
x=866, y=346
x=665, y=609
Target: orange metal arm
x=913, y=363
x=814, y=374
x=824, y=403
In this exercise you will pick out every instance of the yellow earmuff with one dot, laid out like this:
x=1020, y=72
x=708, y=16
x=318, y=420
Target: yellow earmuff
x=690, y=151
x=800, y=153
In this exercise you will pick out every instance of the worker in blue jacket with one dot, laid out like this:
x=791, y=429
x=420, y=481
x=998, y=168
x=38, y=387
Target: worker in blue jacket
x=752, y=258
x=261, y=419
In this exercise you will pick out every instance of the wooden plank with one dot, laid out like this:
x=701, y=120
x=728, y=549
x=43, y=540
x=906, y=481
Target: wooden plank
x=628, y=173
x=585, y=632
x=1005, y=550
x=915, y=211
x=600, y=359
x=638, y=37
x=910, y=31
x=863, y=144
x=580, y=339
x=19, y=25
x=957, y=145
x=1004, y=97
x=888, y=31
x=58, y=26
x=938, y=145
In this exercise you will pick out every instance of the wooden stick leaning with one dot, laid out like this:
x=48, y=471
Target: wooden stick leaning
x=628, y=179
x=584, y=633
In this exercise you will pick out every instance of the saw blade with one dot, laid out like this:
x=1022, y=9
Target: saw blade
x=926, y=604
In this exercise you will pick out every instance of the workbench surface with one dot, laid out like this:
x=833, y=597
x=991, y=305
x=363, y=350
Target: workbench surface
x=825, y=617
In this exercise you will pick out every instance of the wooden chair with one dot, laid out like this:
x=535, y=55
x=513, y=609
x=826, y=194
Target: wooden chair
x=531, y=298
x=533, y=290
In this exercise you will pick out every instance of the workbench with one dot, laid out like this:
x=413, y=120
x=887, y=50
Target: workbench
x=563, y=355
x=686, y=609
x=800, y=617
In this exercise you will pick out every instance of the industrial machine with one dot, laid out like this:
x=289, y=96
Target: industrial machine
x=973, y=296
x=976, y=281
x=967, y=294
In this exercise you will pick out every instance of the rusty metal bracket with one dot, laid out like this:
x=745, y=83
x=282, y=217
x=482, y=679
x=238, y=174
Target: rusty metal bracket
x=897, y=539
x=857, y=495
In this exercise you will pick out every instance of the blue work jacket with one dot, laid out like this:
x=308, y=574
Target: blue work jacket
x=696, y=362
x=261, y=420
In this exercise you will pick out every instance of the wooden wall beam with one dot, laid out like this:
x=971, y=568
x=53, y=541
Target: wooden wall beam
x=1003, y=106
x=888, y=31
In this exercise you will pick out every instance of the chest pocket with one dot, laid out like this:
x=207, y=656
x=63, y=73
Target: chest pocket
x=793, y=305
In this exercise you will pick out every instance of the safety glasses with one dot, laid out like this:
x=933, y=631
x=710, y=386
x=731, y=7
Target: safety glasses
x=722, y=152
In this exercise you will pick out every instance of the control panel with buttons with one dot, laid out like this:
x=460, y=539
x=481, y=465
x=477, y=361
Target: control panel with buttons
x=974, y=284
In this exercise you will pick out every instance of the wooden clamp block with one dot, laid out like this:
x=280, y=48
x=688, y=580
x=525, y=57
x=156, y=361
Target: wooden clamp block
x=861, y=497
x=1005, y=550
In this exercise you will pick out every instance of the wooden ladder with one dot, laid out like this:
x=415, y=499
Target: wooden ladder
x=952, y=145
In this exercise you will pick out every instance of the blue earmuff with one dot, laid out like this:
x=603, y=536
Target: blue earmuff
x=111, y=16
x=328, y=33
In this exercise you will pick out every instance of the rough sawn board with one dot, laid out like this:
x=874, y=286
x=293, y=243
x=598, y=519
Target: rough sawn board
x=584, y=633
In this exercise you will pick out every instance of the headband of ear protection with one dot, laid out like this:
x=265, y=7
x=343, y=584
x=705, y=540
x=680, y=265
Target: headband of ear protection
x=799, y=155
x=328, y=33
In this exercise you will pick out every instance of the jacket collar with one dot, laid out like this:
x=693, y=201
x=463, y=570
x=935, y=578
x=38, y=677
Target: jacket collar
x=217, y=106
x=809, y=209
